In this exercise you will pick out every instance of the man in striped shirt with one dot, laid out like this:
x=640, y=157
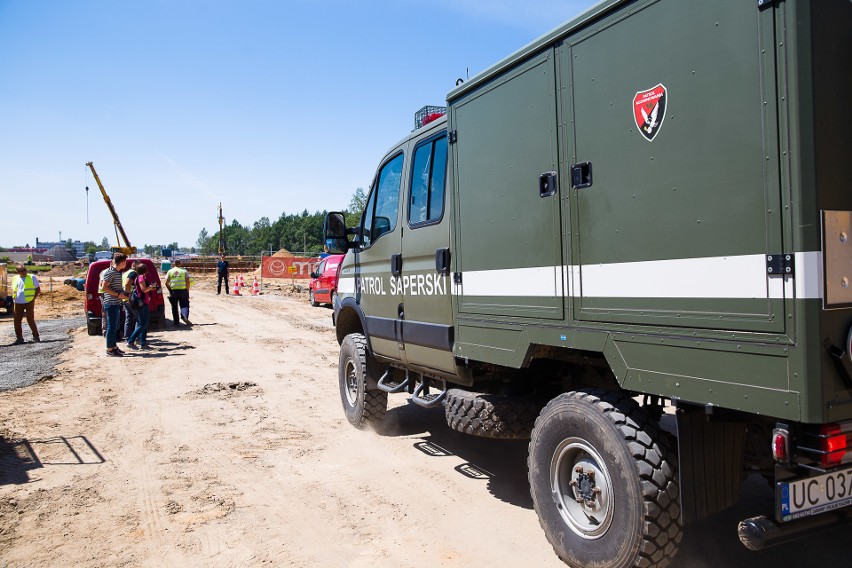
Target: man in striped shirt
x=112, y=298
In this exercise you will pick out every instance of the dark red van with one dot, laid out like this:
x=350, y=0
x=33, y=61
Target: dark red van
x=92, y=302
x=324, y=281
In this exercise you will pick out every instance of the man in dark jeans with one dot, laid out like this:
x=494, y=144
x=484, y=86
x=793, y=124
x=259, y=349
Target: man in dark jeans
x=177, y=281
x=222, y=269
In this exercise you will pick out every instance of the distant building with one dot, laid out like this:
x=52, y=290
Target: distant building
x=77, y=246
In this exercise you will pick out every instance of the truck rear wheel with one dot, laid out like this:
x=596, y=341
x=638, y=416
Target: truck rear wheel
x=93, y=327
x=603, y=483
x=361, y=404
x=312, y=299
x=490, y=415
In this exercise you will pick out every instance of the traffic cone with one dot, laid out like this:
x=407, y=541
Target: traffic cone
x=255, y=289
x=242, y=283
x=236, y=285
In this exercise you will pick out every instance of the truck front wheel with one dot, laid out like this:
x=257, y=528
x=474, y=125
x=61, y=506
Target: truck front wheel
x=361, y=404
x=603, y=482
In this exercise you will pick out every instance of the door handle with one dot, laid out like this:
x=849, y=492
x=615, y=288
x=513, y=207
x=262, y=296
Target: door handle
x=396, y=264
x=442, y=261
x=547, y=184
x=581, y=175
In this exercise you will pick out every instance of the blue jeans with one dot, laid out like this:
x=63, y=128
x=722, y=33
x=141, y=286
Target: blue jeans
x=112, y=314
x=143, y=316
x=129, y=320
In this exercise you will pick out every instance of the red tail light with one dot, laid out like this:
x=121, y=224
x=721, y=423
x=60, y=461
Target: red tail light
x=834, y=444
x=781, y=445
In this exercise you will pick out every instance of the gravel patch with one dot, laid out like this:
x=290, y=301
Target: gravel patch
x=24, y=365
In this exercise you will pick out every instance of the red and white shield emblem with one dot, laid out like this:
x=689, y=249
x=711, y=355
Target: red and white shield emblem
x=649, y=110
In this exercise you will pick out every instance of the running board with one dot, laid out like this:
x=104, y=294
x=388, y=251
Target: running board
x=386, y=385
x=421, y=396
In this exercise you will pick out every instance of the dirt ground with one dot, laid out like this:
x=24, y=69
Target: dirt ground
x=226, y=446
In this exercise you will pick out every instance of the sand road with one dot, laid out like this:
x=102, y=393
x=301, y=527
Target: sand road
x=227, y=446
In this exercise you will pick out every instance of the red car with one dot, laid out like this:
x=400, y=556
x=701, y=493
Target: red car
x=323, y=288
x=92, y=302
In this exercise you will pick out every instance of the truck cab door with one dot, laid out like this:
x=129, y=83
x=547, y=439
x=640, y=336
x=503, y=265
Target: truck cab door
x=424, y=280
x=380, y=236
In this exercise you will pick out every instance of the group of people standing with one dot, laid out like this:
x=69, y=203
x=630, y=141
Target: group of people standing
x=133, y=290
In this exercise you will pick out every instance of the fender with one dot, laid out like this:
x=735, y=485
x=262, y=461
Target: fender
x=345, y=321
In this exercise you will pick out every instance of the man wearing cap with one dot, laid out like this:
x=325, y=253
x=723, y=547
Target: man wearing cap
x=25, y=288
x=177, y=281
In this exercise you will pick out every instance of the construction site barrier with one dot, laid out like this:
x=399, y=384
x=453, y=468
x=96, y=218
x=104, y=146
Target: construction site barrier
x=296, y=267
x=203, y=265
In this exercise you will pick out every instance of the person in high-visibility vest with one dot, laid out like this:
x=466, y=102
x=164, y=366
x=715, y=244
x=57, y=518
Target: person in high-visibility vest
x=25, y=289
x=177, y=281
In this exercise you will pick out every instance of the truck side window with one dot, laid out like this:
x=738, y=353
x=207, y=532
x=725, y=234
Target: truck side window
x=426, y=198
x=383, y=204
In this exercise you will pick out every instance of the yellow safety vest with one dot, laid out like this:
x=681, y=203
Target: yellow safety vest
x=177, y=278
x=29, y=287
x=125, y=276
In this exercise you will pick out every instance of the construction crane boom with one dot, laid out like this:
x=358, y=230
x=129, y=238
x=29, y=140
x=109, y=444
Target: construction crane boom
x=221, y=236
x=120, y=235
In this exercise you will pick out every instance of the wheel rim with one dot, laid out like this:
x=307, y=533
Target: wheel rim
x=351, y=379
x=311, y=296
x=591, y=517
x=334, y=299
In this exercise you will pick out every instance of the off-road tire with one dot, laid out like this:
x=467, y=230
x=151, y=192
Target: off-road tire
x=361, y=405
x=93, y=328
x=635, y=520
x=312, y=299
x=490, y=415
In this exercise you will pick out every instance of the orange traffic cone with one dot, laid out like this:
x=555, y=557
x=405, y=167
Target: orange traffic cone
x=255, y=289
x=236, y=285
x=242, y=283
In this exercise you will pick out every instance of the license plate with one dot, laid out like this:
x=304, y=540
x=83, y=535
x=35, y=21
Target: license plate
x=815, y=495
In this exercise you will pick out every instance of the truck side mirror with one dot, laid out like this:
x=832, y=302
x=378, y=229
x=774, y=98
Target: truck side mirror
x=334, y=233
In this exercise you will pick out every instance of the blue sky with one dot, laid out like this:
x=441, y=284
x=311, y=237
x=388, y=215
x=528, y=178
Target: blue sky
x=265, y=106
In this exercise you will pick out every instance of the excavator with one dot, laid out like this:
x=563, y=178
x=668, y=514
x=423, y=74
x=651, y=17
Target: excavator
x=120, y=235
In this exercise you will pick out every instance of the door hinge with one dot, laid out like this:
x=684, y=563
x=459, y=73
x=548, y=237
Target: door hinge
x=452, y=137
x=780, y=265
x=457, y=277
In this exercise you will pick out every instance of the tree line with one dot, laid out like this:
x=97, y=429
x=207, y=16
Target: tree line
x=294, y=232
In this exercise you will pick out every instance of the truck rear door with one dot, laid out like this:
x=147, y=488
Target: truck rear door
x=424, y=281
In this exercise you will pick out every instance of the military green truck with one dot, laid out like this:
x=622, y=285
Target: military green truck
x=644, y=212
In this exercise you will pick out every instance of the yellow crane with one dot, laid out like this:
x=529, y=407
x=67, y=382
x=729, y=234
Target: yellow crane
x=120, y=235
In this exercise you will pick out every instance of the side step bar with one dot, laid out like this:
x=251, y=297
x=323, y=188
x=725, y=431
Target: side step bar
x=761, y=532
x=386, y=385
x=421, y=395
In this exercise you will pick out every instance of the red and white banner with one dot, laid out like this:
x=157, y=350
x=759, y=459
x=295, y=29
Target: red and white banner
x=288, y=267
